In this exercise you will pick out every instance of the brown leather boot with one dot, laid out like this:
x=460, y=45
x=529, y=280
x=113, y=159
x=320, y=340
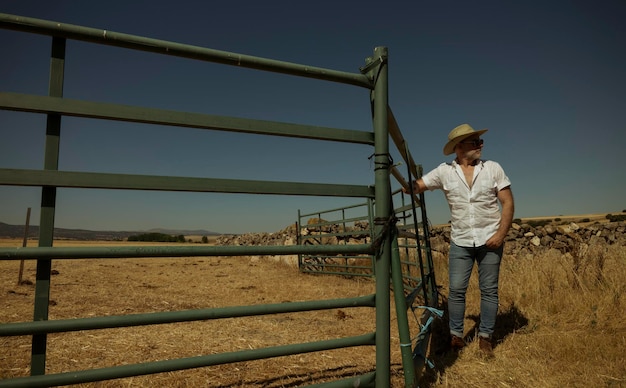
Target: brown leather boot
x=457, y=343
x=485, y=346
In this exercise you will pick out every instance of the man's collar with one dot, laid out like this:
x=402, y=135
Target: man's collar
x=478, y=162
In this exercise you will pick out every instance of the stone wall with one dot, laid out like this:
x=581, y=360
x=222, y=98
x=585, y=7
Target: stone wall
x=522, y=239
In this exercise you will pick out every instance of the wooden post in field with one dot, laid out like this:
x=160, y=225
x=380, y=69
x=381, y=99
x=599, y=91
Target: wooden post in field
x=19, y=276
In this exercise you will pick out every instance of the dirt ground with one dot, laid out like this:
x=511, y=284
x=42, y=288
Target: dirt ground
x=560, y=321
x=89, y=288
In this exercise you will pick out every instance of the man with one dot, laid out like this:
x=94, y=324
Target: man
x=473, y=187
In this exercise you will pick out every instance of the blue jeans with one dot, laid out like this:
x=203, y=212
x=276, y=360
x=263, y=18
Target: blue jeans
x=460, y=269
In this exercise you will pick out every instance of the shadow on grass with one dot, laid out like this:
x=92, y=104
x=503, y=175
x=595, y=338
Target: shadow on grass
x=508, y=322
x=440, y=354
x=306, y=378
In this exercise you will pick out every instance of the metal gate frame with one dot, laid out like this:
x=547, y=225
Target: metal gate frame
x=413, y=275
x=373, y=77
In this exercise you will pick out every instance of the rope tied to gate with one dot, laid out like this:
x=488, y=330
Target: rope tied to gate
x=388, y=225
x=382, y=165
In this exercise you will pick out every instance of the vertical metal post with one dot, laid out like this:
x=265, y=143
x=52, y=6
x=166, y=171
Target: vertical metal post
x=431, y=286
x=24, y=243
x=406, y=346
x=370, y=220
x=383, y=212
x=48, y=203
x=417, y=232
x=299, y=239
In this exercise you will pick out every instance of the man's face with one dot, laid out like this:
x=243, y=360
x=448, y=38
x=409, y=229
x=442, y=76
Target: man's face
x=470, y=148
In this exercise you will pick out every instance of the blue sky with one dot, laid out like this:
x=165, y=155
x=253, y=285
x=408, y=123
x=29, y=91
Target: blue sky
x=546, y=78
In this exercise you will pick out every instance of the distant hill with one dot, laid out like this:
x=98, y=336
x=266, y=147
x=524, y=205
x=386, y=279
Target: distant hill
x=185, y=232
x=17, y=231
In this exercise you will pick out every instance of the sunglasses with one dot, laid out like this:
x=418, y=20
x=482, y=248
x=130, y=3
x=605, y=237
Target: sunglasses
x=474, y=143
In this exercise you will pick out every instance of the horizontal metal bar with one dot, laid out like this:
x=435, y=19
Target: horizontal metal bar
x=365, y=381
x=353, y=219
x=70, y=179
x=405, y=208
x=334, y=222
x=342, y=257
x=107, y=111
x=340, y=273
x=111, y=38
x=364, y=204
x=116, y=372
x=401, y=144
x=107, y=252
x=353, y=233
x=335, y=261
x=341, y=269
x=398, y=175
x=108, y=322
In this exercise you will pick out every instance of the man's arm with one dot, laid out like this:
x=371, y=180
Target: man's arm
x=505, y=196
x=418, y=187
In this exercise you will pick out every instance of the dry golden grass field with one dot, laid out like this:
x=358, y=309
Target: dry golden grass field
x=561, y=321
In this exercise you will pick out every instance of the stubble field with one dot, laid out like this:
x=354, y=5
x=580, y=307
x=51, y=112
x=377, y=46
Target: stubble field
x=560, y=322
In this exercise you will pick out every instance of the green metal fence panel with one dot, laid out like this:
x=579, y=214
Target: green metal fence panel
x=108, y=322
x=383, y=211
x=107, y=111
x=334, y=226
x=339, y=226
x=22, y=177
x=379, y=249
x=412, y=269
x=85, y=376
x=48, y=205
x=49, y=253
x=111, y=38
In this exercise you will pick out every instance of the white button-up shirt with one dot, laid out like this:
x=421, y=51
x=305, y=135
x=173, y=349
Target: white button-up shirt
x=475, y=212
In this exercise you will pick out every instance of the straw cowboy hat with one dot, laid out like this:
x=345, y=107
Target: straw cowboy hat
x=457, y=135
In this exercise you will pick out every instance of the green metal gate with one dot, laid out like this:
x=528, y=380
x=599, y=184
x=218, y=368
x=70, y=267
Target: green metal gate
x=336, y=227
x=413, y=275
x=372, y=77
